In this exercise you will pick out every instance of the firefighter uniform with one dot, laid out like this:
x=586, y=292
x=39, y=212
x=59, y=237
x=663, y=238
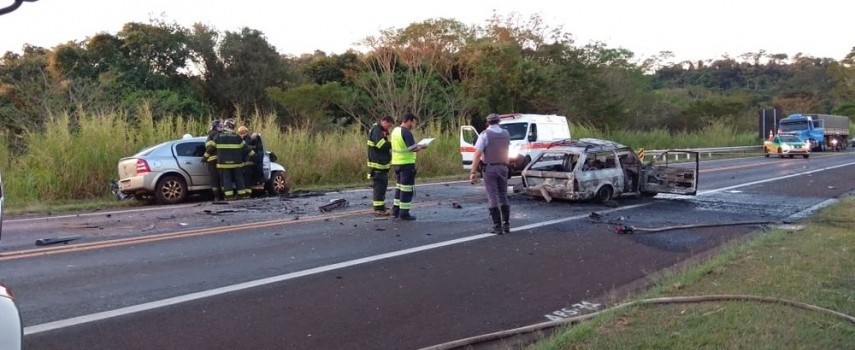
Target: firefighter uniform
x=379, y=158
x=211, y=160
x=231, y=153
x=404, y=161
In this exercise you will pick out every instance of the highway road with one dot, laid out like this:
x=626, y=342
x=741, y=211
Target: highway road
x=276, y=273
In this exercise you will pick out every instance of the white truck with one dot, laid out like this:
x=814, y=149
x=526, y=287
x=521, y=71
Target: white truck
x=530, y=133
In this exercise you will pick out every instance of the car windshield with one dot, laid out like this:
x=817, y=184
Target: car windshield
x=517, y=130
x=790, y=139
x=794, y=126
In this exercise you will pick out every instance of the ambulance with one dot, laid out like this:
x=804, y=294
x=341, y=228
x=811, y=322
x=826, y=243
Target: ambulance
x=530, y=133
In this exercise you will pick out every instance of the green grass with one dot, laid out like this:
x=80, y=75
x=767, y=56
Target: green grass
x=815, y=265
x=73, y=159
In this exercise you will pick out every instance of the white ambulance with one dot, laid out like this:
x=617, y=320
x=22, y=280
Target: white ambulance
x=529, y=134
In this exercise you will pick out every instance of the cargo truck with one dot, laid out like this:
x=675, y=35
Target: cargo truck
x=823, y=131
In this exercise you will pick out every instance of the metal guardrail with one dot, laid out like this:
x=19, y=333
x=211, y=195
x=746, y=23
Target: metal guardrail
x=709, y=151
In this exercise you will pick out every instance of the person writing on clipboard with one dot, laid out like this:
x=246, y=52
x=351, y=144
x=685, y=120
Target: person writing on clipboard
x=404, y=149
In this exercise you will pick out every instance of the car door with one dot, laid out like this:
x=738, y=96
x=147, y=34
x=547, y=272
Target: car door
x=673, y=171
x=468, y=137
x=188, y=155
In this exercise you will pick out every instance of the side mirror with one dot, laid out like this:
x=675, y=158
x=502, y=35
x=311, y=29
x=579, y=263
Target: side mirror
x=532, y=137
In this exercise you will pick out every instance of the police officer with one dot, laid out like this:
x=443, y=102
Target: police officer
x=404, y=150
x=211, y=159
x=231, y=153
x=491, y=149
x=379, y=158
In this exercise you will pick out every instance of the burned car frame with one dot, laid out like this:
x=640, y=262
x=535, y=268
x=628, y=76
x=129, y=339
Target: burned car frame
x=600, y=170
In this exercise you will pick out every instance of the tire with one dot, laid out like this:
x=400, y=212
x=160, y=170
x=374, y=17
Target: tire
x=604, y=194
x=171, y=189
x=765, y=152
x=277, y=185
x=780, y=153
x=806, y=156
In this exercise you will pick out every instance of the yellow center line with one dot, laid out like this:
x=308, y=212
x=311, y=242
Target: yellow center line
x=190, y=233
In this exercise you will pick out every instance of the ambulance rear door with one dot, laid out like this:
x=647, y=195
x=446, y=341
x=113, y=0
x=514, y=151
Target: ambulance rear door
x=468, y=137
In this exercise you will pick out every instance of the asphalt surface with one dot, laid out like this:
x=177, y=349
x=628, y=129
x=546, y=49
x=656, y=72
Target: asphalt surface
x=342, y=280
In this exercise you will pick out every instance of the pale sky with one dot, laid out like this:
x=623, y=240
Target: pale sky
x=690, y=29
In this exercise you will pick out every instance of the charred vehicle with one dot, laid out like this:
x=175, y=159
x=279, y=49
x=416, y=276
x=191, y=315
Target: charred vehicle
x=592, y=169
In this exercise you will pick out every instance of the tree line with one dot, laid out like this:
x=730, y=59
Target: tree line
x=441, y=69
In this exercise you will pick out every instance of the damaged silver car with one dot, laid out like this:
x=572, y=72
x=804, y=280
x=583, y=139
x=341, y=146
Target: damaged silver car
x=600, y=170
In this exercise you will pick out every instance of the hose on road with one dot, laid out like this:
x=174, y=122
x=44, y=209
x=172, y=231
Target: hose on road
x=655, y=301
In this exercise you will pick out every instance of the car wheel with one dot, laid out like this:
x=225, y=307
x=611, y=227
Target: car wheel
x=604, y=194
x=278, y=184
x=170, y=190
x=806, y=156
x=765, y=152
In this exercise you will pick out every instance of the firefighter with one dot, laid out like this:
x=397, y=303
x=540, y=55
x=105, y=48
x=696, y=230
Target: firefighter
x=491, y=150
x=249, y=164
x=404, y=150
x=231, y=152
x=211, y=159
x=379, y=158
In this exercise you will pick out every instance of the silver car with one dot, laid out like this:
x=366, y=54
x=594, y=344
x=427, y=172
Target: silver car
x=172, y=170
x=11, y=331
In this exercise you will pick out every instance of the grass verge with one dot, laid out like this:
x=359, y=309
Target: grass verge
x=815, y=265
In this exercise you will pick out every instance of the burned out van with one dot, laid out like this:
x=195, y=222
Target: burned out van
x=592, y=169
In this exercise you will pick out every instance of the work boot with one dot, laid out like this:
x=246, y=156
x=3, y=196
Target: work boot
x=496, y=216
x=396, y=211
x=506, y=216
x=405, y=215
x=382, y=212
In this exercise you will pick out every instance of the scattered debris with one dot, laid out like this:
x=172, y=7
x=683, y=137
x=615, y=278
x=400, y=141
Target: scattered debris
x=595, y=216
x=114, y=188
x=380, y=229
x=166, y=217
x=303, y=194
x=149, y=227
x=183, y=224
x=56, y=240
x=456, y=205
x=222, y=211
x=831, y=187
x=333, y=205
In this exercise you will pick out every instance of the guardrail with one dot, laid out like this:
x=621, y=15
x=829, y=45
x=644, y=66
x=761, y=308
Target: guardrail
x=709, y=152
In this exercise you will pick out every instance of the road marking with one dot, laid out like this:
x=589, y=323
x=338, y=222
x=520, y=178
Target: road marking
x=44, y=327
x=116, y=212
x=237, y=287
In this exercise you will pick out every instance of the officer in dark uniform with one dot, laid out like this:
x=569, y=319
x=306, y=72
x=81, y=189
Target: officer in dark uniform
x=211, y=159
x=491, y=149
x=379, y=159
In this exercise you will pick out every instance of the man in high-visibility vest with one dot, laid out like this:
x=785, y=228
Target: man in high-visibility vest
x=404, y=150
x=379, y=158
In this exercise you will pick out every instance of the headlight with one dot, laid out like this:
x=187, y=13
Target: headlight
x=785, y=147
x=834, y=142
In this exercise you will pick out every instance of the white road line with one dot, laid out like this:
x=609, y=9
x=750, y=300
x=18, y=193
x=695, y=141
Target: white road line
x=44, y=327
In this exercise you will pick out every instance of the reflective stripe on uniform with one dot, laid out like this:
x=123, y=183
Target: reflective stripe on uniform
x=406, y=188
x=379, y=166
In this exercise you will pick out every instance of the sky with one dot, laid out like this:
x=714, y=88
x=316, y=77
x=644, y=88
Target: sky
x=691, y=30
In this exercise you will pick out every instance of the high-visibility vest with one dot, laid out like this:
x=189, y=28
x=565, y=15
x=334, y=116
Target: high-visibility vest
x=400, y=154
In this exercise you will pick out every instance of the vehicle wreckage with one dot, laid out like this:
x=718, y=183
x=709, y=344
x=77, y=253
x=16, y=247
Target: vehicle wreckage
x=600, y=170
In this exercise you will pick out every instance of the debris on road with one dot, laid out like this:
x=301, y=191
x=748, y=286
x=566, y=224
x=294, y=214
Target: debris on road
x=333, y=205
x=456, y=205
x=55, y=240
